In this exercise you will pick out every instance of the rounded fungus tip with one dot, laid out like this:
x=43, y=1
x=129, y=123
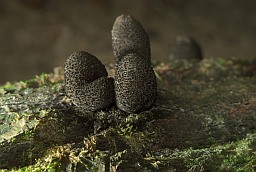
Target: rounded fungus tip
x=129, y=36
x=86, y=82
x=135, y=81
x=185, y=47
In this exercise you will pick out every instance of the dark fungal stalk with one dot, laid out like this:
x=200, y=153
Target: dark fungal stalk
x=86, y=82
x=135, y=82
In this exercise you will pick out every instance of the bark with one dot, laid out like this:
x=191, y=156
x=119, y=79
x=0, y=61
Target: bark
x=203, y=120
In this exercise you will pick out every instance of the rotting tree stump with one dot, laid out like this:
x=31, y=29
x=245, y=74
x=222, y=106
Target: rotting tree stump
x=204, y=119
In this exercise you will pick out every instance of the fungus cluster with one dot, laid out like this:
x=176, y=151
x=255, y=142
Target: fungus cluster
x=134, y=86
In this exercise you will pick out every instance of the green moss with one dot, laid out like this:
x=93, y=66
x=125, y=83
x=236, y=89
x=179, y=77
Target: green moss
x=243, y=156
x=200, y=122
x=236, y=156
x=8, y=86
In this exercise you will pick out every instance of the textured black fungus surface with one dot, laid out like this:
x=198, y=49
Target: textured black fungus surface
x=135, y=84
x=96, y=95
x=185, y=47
x=80, y=68
x=86, y=82
x=129, y=36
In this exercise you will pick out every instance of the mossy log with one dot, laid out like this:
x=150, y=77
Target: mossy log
x=204, y=119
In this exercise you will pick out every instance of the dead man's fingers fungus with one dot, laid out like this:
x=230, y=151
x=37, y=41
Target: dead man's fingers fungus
x=187, y=48
x=135, y=84
x=86, y=82
x=135, y=81
x=129, y=36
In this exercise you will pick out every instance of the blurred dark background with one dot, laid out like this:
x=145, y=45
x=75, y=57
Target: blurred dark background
x=37, y=35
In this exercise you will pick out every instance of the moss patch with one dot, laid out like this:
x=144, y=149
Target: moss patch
x=203, y=120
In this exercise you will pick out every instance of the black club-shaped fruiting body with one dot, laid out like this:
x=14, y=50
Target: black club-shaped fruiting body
x=185, y=47
x=135, y=84
x=135, y=81
x=96, y=95
x=129, y=36
x=86, y=82
x=134, y=88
